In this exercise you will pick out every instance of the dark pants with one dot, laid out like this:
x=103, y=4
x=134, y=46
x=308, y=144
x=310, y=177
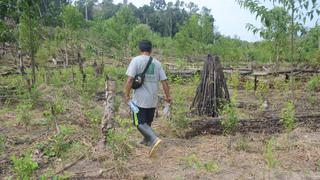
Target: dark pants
x=145, y=115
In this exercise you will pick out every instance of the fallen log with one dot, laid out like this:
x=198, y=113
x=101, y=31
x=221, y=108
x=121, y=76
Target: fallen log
x=265, y=125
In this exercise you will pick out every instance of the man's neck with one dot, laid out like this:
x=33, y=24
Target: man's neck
x=145, y=53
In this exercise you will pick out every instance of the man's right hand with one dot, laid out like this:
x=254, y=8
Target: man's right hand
x=168, y=100
x=126, y=99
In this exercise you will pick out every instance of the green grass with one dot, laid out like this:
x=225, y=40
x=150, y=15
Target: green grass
x=269, y=154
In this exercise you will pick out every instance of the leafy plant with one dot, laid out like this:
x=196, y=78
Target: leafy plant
x=211, y=166
x=242, y=144
x=94, y=115
x=58, y=144
x=287, y=116
x=118, y=141
x=249, y=85
x=192, y=161
x=314, y=83
x=2, y=143
x=230, y=119
x=234, y=82
x=24, y=166
x=24, y=115
x=269, y=154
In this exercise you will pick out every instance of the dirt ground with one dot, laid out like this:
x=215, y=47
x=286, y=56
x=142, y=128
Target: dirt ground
x=296, y=155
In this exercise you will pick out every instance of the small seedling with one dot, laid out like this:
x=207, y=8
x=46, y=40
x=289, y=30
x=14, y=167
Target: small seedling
x=313, y=84
x=287, y=116
x=24, y=166
x=192, y=161
x=2, y=144
x=242, y=144
x=211, y=166
x=230, y=119
x=269, y=154
x=24, y=115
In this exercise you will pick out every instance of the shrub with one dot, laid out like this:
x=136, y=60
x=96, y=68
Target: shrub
x=24, y=166
x=2, y=144
x=94, y=115
x=24, y=115
x=287, y=116
x=230, y=118
x=118, y=141
x=314, y=84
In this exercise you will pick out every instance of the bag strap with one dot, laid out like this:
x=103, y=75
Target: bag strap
x=146, y=68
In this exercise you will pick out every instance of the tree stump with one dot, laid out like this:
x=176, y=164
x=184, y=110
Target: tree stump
x=212, y=92
x=107, y=121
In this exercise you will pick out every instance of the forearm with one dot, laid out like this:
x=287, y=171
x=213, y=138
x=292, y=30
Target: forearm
x=166, y=89
x=128, y=87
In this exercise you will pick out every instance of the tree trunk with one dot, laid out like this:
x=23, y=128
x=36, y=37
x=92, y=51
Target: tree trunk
x=31, y=48
x=293, y=31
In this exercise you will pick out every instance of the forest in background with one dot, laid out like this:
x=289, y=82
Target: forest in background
x=179, y=29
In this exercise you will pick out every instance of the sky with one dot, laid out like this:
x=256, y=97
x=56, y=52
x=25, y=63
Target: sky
x=230, y=19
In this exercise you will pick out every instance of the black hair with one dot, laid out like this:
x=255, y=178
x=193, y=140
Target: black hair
x=145, y=46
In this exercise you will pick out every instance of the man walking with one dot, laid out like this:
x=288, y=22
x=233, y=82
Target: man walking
x=146, y=96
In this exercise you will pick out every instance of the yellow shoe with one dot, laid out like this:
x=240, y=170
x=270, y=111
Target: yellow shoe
x=155, y=147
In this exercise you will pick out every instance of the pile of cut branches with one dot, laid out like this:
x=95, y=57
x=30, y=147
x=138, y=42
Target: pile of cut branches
x=212, y=91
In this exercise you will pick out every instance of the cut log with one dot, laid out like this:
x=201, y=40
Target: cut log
x=107, y=121
x=264, y=125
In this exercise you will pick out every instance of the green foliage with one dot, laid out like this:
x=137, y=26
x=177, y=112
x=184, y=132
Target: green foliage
x=180, y=108
x=234, y=82
x=23, y=113
x=314, y=83
x=249, y=85
x=192, y=161
x=194, y=35
x=242, y=144
x=24, y=166
x=118, y=28
x=211, y=166
x=287, y=116
x=138, y=33
x=269, y=154
x=262, y=89
x=2, y=144
x=118, y=143
x=118, y=139
x=230, y=118
x=58, y=144
x=29, y=35
x=94, y=115
x=71, y=17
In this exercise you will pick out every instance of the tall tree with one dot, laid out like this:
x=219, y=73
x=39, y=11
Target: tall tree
x=29, y=35
x=300, y=11
x=276, y=24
